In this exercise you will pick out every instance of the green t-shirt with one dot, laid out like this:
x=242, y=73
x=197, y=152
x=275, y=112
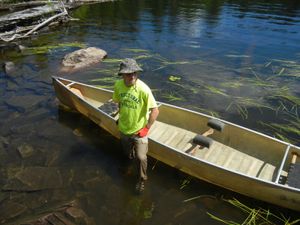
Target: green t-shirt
x=135, y=102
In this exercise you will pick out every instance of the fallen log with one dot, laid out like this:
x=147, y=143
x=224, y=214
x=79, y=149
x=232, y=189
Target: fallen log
x=13, y=6
x=16, y=18
x=14, y=25
x=25, y=17
x=64, y=13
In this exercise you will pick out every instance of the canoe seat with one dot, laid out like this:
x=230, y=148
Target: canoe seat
x=76, y=91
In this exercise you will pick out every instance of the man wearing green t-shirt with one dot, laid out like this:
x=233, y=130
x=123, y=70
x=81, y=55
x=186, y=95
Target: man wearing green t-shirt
x=138, y=111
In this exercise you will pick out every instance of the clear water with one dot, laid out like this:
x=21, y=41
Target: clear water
x=236, y=60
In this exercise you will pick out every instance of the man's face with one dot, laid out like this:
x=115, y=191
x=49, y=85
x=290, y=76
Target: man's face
x=130, y=79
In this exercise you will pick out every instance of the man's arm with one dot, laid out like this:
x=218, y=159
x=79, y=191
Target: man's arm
x=152, y=117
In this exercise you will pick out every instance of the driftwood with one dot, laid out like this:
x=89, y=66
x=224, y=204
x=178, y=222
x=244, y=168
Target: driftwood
x=26, y=22
x=7, y=6
x=33, y=14
x=64, y=13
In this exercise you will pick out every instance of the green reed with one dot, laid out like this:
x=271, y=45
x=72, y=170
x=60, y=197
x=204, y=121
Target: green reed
x=165, y=62
x=112, y=60
x=206, y=111
x=48, y=48
x=111, y=79
x=173, y=96
x=241, y=104
x=135, y=50
x=215, y=90
x=254, y=216
x=185, y=182
x=284, y=131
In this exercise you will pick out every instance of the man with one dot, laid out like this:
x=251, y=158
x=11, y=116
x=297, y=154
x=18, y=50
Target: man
x=138, y=112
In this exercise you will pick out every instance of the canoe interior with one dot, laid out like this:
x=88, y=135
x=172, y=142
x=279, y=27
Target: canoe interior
x=235, y=148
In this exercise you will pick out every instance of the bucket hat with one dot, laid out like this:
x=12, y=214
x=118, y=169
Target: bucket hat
x=129, y=66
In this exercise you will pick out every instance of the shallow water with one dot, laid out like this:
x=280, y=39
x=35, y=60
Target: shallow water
x=236, y=60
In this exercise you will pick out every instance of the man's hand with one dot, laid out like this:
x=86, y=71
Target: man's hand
x=143, y=132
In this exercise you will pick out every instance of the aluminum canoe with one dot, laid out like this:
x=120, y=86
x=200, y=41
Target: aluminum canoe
x=238, y=159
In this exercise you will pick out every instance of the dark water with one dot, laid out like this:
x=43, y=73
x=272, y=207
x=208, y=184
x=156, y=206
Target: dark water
x=237, y=60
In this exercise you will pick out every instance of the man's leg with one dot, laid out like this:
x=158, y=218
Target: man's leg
x=141, y=149
x=128, y=146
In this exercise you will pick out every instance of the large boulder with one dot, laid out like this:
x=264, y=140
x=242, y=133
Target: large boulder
x=82, y=58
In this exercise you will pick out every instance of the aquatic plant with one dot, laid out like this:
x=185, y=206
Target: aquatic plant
x=215, y=90
x=285, y=131
x=112, y=60
x=111, y=79
x=48, y=48
x=242, y=103
x=255, y=216
x=111, y=71
x=185, y=182
x=238, y=56
x=232, y=84
x=174, y=78
x=171, y=96
x=165, y=62
x=205, y=110
x=135, y=50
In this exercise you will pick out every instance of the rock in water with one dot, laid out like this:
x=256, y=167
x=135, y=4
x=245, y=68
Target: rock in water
x=82, y=58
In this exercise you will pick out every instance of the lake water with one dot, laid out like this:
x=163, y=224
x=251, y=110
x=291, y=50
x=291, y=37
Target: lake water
x=236, y=60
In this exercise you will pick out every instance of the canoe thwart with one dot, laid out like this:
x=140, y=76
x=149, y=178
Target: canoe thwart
x=202, y=140
x=110, y=107
x=216, y=124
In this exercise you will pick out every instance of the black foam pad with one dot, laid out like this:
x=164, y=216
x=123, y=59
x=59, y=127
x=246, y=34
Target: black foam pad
x=216, y=124
x=203, y=141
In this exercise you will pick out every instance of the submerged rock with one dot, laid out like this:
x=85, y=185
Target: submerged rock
x=82, y=58
x=3, y=142
x=64, y=214
x=9, y=67
x=25, y=150
x=11, y=210
x=69, y=214
x=25, y=102
x=34, y=179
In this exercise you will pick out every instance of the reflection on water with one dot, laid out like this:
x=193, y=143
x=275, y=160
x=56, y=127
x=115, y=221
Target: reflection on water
x=238, y=60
